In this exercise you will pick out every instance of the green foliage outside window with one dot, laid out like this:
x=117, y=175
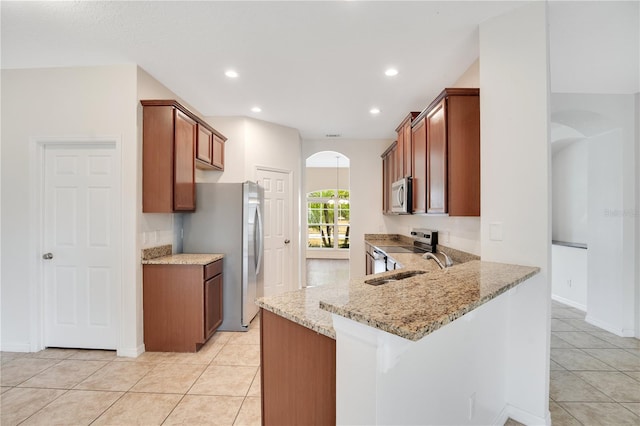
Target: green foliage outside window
x=326, y=214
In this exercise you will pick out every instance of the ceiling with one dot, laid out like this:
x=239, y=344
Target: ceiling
x=314, y=66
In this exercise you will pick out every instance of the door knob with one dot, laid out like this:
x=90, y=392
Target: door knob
x=287, y=241
x=47, y=256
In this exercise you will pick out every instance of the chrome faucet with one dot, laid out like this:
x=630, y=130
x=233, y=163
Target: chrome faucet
x=447, y=260
x=430, y=255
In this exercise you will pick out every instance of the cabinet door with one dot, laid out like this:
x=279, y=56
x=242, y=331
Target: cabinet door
x=217, y=159
x=212, y=305
x=419, y=146
x=204, y=148
x=437, y=159
x=184, y=190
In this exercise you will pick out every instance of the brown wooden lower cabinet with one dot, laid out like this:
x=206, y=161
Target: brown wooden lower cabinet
x=182, y=305
x=298, y=373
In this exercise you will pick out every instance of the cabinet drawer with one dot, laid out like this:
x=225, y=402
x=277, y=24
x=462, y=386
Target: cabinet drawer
x=213, y=269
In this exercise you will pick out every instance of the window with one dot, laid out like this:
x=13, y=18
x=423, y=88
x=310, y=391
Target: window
x=328, y=219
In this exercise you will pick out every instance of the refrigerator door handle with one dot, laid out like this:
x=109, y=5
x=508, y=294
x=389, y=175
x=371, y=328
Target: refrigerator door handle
x=258, y=239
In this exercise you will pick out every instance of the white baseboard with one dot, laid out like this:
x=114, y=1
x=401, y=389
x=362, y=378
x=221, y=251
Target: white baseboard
x=622, y=332
x=571, y=303
x=131, y=352
x=524, y=417
x=15, y=347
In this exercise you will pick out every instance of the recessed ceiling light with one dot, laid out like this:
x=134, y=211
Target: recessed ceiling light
x=231, y=74
x=256, y=109
x=374, y=111
x=391, y=72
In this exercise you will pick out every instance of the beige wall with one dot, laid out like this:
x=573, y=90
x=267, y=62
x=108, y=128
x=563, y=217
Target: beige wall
x=471, y=77
x=319, y=178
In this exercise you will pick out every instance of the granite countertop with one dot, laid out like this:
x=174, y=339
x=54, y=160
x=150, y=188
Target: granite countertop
x=161, y=255
x=184, y=259
x=409, y=308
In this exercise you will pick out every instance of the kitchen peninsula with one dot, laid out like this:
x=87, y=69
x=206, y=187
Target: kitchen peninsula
x=427, y=349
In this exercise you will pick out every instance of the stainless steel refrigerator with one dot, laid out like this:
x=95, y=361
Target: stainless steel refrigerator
x=228, y=220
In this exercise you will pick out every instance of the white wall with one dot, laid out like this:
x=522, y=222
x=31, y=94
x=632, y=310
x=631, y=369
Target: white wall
x=608, y=122
x=569, y=189
x=60, y=103
x=569, y=276
x=462, y=233
x=515, y=192
x=365, y=168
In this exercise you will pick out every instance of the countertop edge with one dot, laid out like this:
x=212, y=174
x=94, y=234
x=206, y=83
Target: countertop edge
x=184, y=259
x=331, y=333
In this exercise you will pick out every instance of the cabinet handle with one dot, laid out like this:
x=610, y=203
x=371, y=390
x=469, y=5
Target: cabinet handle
x=47, y=256
x=287, y=241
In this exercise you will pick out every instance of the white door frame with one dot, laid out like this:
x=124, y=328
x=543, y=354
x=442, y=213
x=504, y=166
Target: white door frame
x=295, y=238
x=36, y=219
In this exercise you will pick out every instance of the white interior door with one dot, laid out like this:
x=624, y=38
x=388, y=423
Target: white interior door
x=81, y=239
x=277, y=231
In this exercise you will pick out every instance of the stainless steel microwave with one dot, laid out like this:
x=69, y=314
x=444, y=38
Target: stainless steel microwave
x=401, y=196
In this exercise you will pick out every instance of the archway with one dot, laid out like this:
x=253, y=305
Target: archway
x=327, y=227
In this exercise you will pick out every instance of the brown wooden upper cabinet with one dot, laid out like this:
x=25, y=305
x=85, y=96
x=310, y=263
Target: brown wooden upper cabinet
x=174, y=141
x=210, y=148
x=446, y=149
x=404, y=162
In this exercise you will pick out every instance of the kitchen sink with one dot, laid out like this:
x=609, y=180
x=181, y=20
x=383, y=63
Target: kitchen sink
x=393, y=277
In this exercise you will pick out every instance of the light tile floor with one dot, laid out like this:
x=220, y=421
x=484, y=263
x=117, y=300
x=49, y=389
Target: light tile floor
x=595, y=375
x=324, y=271
x=595, y=379
x=220, y=384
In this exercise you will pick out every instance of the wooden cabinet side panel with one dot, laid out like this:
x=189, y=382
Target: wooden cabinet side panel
x=157, y=159
x=437, y=159
x=172, y=307
x=385, y=184
x=212, y=305
x=184, y=191
x=399, y=157
x=419, y=144
x=299, y=383
x=464, y=155
x=408, y=150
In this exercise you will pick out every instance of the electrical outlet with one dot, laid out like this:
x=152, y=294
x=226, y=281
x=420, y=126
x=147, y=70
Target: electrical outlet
x=495, y=231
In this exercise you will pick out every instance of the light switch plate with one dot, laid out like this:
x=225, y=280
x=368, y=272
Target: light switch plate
x=495, y=231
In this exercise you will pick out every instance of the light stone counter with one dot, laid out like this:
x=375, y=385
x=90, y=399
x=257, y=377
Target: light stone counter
x=184, y=259
x=410, y=308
